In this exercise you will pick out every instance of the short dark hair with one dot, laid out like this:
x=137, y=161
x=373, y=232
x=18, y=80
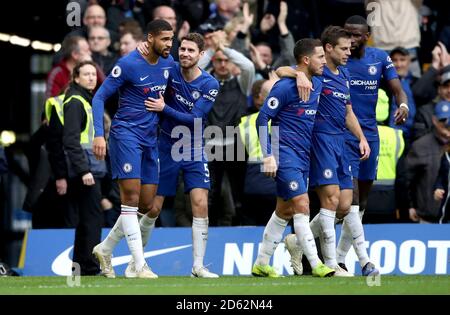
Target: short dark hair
x=70, y=44
x=332, y=34
x=131, y=27
x=256, y=87
x=357, y=20
x=305, y=47
x=78, y=66
x=157, y=26
x=399, y=50
x=196, y=38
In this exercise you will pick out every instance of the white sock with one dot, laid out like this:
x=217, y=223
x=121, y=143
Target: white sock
x=361, y=213
x=345, y=240
x=147, y=225
x=273, y=233
x=305, y=238
x=130, y=226
x=199, y=239
x=355, y=227
x=328, y=240
x=315, y=226
x=113, y=238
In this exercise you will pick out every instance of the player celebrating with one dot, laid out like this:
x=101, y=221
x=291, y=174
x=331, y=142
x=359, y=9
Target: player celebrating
x=294, y=120
x=366, y=66
x=329, y=171
x=132, y=142
x=189, y=98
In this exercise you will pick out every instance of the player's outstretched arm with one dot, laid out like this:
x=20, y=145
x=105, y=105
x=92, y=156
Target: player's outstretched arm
x=200, y=110
x=353, y=125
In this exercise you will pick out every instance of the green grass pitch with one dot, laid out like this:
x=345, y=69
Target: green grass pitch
x=228, y=285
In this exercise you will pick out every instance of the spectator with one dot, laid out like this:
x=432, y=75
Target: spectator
x=259, y=190
x=230, y=106
x=237, y=30
x=381, y=204
x=399, y=29
x=93, y=16
x=306, y=11
x=84, y=171
x=427, y=35
x=423, y=166
x=212, y=38
x=166, y=13
x=74, y=49
x=402, y=61
x=261, y=53
x=225, y=11
x=56, y=191
x=256, y=99
x=99, y=41
x=423, y=121
x=441, y=191
x=424, y=90
x=129, y=41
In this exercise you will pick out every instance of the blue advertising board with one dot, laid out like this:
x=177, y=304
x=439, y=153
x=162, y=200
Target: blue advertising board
x=398, y=249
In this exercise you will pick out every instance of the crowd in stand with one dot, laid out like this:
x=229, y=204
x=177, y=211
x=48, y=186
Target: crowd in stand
x=245, y=42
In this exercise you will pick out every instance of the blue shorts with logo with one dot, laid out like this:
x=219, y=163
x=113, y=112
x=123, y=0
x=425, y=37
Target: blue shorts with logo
x=195, y=171
x=329, y=165
x=363, y=170
x=292, y=174
x=131, y=159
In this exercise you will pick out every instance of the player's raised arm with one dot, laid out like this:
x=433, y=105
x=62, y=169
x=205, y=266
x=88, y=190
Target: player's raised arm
x=112, y=83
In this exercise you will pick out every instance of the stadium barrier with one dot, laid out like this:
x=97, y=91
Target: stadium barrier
x=398, y=249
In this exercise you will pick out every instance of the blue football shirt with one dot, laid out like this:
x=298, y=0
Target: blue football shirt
x=365, y=77
x=293, y=117
x=334, y=98
x=136, y=80
x=186, y=101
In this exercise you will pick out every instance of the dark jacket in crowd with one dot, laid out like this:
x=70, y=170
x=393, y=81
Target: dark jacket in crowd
x=79, y=162
x=442, y=182
x=54, y=146
x=425, y=88
x=423, y=120
x=422, y=163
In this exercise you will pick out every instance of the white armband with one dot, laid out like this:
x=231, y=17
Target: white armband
x=404, y=105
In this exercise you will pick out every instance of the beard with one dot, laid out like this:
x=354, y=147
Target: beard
x=188, y=64
x=161, y=51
